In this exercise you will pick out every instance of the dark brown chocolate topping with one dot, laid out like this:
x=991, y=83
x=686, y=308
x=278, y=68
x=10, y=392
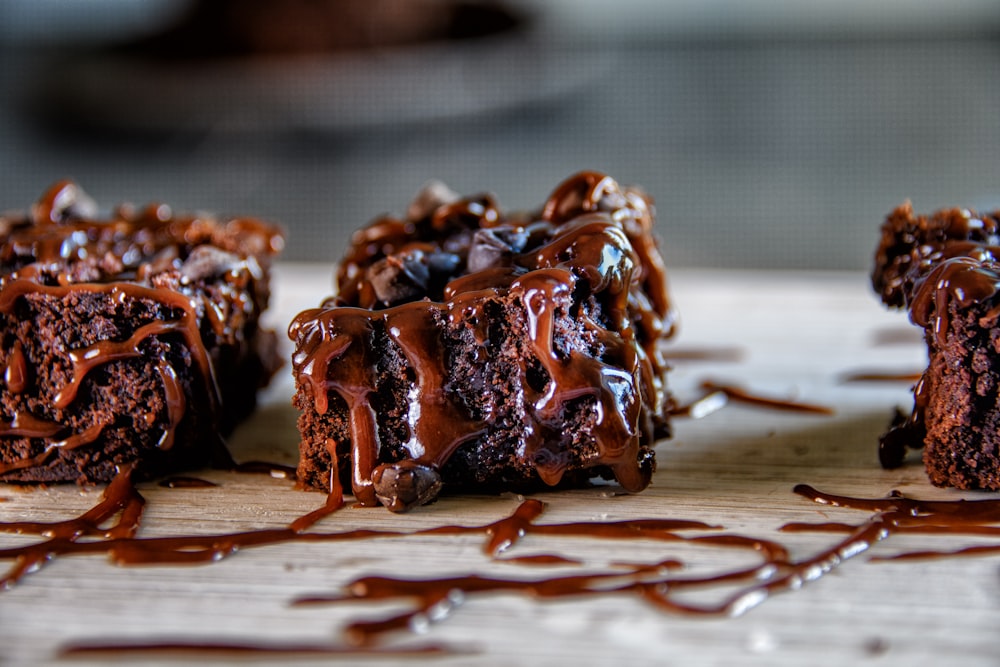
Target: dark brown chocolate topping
x=934, y=264
x=912, y=246
x=60, y=251
x=454, y=261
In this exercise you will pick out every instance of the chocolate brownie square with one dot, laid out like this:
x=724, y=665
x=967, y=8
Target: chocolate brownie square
x=471, y=350
x=133, y=340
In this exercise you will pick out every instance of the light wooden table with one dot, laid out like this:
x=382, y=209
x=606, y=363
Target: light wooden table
x=799, y=333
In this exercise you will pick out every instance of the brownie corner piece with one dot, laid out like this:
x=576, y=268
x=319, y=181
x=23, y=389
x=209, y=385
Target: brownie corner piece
x=943, y=269
x=470, y=350
x=131, y=339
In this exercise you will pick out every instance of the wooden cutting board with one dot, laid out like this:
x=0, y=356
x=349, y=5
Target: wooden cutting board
x=787, y=335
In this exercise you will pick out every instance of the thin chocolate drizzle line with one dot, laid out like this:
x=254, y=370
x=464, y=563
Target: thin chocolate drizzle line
x=904, y=515
x=541, y=560
x=87, y=358
x=173, y=396
x=120, y=497
x=84, y=437
x=928, y=554
x=744, y=396
x=873, y=375
x=334, y=499
x=27, y=424
x=238, y=649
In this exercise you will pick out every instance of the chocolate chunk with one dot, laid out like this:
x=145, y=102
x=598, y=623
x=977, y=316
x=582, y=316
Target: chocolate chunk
x=495, y=247
x=400, y=277
x=405, y=485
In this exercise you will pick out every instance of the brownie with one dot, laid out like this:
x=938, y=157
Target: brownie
x=943, y=269
x=475, y=351
x=132, y=340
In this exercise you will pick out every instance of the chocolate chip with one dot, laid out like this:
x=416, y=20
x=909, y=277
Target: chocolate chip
x=404, y=485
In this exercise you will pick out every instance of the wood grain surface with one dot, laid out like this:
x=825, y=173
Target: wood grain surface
x=788, y=335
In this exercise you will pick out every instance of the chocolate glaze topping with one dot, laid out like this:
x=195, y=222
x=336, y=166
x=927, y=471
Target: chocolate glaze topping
x=189, y=278
x=451, y=264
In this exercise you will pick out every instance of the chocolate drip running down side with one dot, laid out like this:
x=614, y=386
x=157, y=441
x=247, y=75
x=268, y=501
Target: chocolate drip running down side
x=134, y=339
x=944, y=269
x=465, y=348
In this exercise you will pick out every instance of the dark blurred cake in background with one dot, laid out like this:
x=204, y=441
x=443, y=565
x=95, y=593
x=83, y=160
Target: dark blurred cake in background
x=244, y=27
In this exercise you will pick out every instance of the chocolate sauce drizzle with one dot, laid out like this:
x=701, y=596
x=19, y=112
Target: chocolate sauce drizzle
x=447, y=267
x=662, y=583
x=60, y=251
x=877, y=375
x=741, y=395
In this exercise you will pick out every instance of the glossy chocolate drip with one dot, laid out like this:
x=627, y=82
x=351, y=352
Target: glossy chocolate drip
x=742, y=395
x=955, y=283
x=60, y=251
x=16, y=374
x=592, y=239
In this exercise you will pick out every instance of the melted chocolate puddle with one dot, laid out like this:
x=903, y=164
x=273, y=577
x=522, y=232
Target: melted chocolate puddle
x=661, y=583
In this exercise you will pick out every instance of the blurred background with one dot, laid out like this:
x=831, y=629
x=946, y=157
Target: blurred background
x=772, y=133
